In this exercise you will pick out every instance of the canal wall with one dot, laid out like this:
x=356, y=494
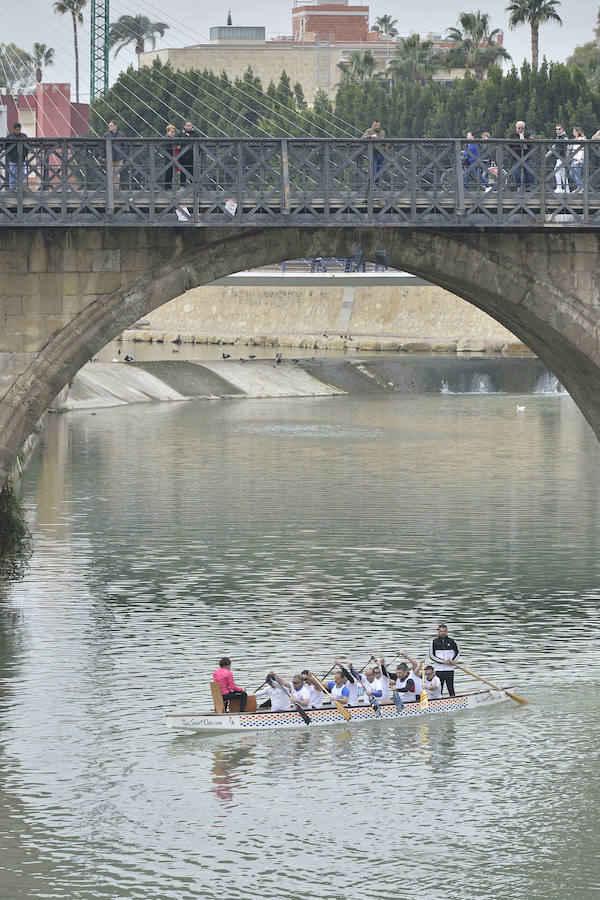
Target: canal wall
x=388, y=317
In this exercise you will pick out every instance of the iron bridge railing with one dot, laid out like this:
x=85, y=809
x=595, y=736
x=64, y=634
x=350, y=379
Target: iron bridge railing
x=438, y=183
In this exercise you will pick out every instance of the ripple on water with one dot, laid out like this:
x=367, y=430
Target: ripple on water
x=287, y=533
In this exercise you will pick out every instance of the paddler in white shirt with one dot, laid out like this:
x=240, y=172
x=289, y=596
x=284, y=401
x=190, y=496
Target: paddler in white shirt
x=298, y=690
x=416, y=672
x=273, y=691
x=382, y=678
x=432, y=683
x=315, y=690
x=339, y=689
x=369, y=682
x=352, y=683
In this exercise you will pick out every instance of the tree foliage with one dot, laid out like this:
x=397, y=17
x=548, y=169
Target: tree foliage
x=533, y=13
x=144, y=101
x=476, y=46
x=134, y=30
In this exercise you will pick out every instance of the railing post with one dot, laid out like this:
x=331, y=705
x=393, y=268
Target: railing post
x=151, y=147
x=240, y=180
x=326, y=186
x=285, y=174
x=370, y=182
x=19, y=181
x=585, y=177
x=195, y=179
x=460, y=185
x=543, y=185
x=110, y=191
x=64, y=178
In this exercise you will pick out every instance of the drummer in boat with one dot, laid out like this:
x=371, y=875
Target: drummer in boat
x=229, y=688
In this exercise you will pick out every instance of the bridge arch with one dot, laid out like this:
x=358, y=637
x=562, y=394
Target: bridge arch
x=542, y=286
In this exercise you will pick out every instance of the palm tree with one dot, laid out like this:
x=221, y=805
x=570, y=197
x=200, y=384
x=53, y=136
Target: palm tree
x=386, y=25
x=16, y=68
x=74, y=9
x=476, y=46
x=535, y=13
x=135, y=30
x=361, y=66
x=40, y=57
x=413, y=59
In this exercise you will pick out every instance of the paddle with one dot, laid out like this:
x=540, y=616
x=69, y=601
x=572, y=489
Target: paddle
x=485, y=681
x=341, y=708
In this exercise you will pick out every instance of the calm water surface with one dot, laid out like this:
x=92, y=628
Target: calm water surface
x=285, y=533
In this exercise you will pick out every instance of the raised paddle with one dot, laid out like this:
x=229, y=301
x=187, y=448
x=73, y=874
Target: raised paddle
x=485, y=681
x=341, y=708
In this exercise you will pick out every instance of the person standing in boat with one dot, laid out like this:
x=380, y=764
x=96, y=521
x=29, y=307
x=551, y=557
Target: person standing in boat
x=315, y=689
x=273, y=691
x=229, y=688
x=443, y=650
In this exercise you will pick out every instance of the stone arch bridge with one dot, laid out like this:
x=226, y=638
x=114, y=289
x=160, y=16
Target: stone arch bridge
x=65, y=292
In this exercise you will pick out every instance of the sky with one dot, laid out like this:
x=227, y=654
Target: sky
x=27, y=21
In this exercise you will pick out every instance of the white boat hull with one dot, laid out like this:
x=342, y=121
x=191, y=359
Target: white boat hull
x=214, y=723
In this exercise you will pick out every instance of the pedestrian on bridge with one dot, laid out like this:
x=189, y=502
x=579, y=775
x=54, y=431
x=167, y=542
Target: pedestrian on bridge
x=170, y=156
x=17, y=157
x=523, y=174
x=116, y=151
x=376, y=132
x=186, y=153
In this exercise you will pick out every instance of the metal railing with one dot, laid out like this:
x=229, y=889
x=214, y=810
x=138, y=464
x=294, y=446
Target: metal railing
x=438, y=183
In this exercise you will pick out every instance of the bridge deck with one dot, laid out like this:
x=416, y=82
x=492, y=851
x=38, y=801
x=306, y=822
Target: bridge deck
x=300, y=183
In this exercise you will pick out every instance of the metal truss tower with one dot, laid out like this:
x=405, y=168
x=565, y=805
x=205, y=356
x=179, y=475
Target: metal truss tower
x=99, y=49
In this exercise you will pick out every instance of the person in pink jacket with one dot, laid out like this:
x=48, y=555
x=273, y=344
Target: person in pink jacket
x=229, y=688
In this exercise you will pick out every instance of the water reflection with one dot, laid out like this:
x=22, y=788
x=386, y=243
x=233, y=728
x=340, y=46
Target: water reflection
x=287, y=534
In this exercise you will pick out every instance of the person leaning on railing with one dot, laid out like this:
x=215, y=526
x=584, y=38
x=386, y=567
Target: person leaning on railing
x=577, y=157
x=16, y=156
x=376, y=132
x=117, y=153
x=521, y=148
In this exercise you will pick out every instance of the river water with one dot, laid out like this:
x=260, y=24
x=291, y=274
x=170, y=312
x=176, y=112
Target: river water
x=283, y=533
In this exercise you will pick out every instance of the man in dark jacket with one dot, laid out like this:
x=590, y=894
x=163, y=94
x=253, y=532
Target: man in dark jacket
x=443, y=650
x=521, y=148
x=185, y=160
x=17, y=157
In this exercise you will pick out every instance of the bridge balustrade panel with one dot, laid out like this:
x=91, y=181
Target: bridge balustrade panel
x=307, y=182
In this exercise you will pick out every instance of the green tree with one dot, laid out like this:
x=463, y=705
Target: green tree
x=41, y=56
x=533, y=13
x=361, y=66
x=74, y=8
x=476, y=46
x=386, y=25
x=413, y=60
x=16, y=68
x=134, y=30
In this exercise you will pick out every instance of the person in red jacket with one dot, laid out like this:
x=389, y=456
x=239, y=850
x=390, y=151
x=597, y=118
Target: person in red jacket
x=229, y=688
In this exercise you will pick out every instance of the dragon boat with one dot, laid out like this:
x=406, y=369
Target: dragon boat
x=264, y=720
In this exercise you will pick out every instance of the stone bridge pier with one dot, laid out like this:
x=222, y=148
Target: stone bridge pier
x=66, y=292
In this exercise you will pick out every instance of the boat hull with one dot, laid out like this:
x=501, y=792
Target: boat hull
x=212, y=723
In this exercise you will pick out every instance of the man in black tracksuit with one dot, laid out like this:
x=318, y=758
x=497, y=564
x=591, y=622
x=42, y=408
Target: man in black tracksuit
x=443, y=650
x=185, y=159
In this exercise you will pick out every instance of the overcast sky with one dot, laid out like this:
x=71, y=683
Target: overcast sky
x=27, y=21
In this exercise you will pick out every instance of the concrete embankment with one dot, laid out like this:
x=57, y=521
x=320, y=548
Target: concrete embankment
x=422, y=318
x=116, y=384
